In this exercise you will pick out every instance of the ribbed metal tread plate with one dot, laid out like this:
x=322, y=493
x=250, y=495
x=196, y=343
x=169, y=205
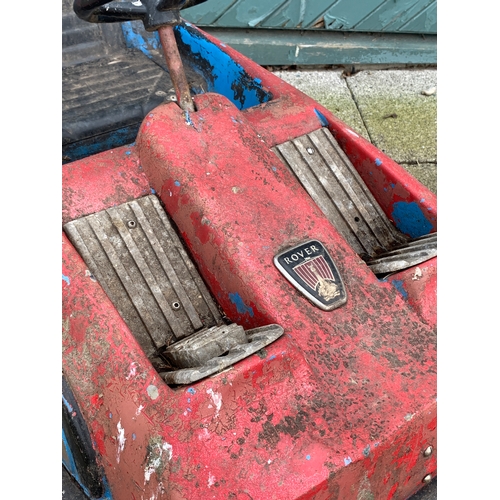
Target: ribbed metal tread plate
x=135, y=254
x=333, y=183
x=329, y=177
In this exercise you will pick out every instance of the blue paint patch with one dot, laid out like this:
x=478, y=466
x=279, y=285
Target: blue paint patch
x=366, y=451
x=88, y=147
x=308, y=457
x=135, y=39
x=347, y=460
x=66, y=279
x=110, y=415
x=321, y=117
x=378, y=162
x=191, y=390
x=399, y=285
x=128, y=152
x=189, y=400
x=241, y=307
x=226, y=77
x=72, y=468
x=274, y=169
x=422, y=200
x=177, y=183
x=71, y=464
x=67, y=405
x=133, y=436
x=410, y=220
x=272, y=357
x=153, y=191
x=188, y=119
x=393, y=186
x=188, y=409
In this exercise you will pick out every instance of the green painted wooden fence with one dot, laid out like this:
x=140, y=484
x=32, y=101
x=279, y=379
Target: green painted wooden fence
x=343, y=31
x=386, y=16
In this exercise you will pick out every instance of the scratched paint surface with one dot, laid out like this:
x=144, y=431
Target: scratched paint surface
x=340, y=407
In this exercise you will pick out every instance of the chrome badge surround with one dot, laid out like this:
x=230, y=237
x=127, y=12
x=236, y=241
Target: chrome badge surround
x=309, y=268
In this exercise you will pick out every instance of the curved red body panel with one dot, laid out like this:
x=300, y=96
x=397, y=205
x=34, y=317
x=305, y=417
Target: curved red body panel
x=341, y=406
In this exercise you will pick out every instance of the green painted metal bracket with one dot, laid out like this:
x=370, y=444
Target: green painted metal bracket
x=281, y=47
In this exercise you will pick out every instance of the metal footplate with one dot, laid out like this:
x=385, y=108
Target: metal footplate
x=333, y=183
x=411, y=254
x=215, y=349
x=133, y=251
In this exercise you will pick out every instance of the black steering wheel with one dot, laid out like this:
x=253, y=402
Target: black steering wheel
x=153, y=13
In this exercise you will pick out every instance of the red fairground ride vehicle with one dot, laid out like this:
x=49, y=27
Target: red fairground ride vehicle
x=249, y=290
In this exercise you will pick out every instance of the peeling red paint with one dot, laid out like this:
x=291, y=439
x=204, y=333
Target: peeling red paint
x=393, y=490
x=341, y=406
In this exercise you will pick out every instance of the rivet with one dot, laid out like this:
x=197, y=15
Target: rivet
x=427, y=479
x=131, y=224
x=428, y=451
x=176, y=305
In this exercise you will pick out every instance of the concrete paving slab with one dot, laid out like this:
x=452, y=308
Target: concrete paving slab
x=386, y=107
x=330, y=89
x=401, y=121
x=426, y=173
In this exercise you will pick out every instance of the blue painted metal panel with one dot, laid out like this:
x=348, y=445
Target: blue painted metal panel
x=226, y=76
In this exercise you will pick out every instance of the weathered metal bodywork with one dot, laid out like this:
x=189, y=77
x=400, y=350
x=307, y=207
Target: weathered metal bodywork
x=343, y=404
